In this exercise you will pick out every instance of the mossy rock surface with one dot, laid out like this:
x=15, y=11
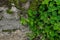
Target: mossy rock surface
x=23, y=1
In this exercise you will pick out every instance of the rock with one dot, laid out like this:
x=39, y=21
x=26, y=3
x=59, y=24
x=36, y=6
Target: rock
x=26, y=5
x=11, y=16
x=17, y=35
x=10, y=22
x=1, y=8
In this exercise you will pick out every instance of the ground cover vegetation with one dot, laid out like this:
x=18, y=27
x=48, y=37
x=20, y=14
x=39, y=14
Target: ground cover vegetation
x=43, y=19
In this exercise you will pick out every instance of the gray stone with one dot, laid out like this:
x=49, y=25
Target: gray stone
x=10, y=22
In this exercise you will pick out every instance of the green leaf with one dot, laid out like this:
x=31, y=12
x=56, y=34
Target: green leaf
x=52, y=34
x=57, y=26
x=51, y=9
x=23, y=21
x=58, y=2
x=59, y=12
x=45, y=2
x=30, y=12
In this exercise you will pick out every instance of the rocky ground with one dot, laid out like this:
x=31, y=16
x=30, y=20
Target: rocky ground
x=10, y=22
x=17, y=35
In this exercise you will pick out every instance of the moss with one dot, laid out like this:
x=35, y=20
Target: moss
x=9, y=30
x=34, y=5
x=0, y=18
x=17, y=4
x=9, y=11
x=23, y=1
x=9, y=3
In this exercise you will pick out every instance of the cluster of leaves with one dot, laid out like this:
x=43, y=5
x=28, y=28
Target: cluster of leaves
x=45, y=20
